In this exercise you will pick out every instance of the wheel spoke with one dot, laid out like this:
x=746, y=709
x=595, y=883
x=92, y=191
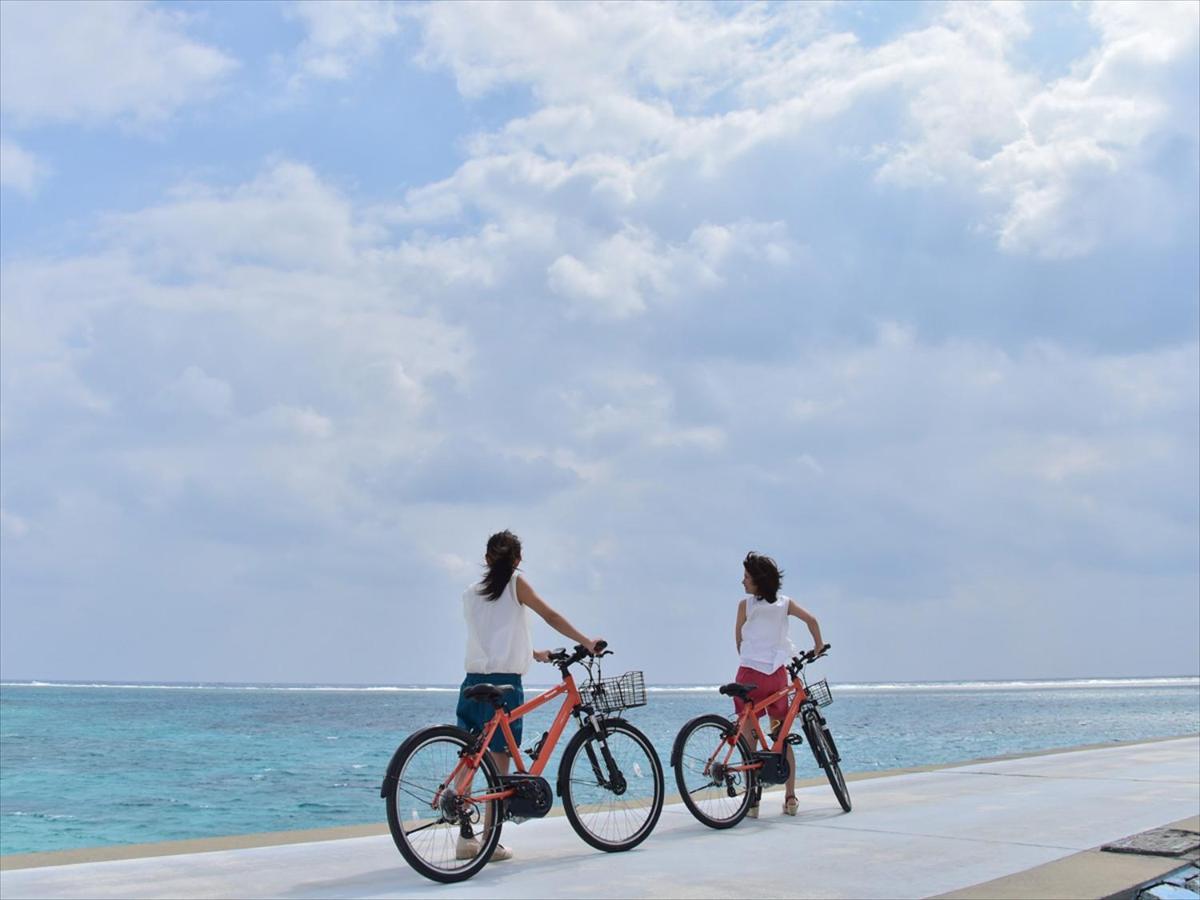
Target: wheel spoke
x=705, y=750
x=431, y=846
x=601, y=815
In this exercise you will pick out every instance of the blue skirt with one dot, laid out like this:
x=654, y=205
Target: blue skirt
x=473, y=715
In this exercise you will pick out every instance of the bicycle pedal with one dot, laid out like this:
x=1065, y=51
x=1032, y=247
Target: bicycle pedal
x=794, y=739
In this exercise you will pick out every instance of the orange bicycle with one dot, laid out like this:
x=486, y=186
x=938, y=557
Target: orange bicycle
x=441, y=783
x=720, y=777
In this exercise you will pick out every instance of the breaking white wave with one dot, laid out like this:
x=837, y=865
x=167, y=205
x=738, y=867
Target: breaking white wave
x=901, y=686
x=385, y=688
x=1040, y=685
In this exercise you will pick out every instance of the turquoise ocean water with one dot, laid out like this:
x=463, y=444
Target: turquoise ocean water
x=90, y=765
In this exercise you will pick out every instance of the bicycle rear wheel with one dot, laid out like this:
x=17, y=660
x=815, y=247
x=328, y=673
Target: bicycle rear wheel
x=429, y=816
x=715, y=796
x=825, y=753
x=612, y=786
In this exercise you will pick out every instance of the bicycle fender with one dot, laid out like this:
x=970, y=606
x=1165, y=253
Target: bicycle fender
x=585, y=732
x=389, y=779
x=815, y=746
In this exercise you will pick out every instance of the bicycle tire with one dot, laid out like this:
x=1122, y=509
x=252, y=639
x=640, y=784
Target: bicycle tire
x=820, y=741
x=680, y=763
x=570, y=791
x=395, y=785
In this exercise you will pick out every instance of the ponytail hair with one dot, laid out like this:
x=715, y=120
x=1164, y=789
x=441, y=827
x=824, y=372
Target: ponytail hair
x=765, y=574
x=503, y=553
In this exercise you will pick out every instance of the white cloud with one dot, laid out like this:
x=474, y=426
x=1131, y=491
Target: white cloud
x=303, y=421
x=342, y=33
x=630, y=269
x=12, y=525
x=1086, y=133
x=96, y=61
x=455, y=566
x=285, y=217
x=292, y=316
x=195, y=390
x=706, y=292
x=1045, y=165
x=623, y=268
x=46, y=336
x=584, y=49
x=614, y=412
x=20, y=169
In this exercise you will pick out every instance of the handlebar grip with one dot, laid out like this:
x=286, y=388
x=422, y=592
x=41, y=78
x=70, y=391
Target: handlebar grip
x=814, y=655
x=600, y=646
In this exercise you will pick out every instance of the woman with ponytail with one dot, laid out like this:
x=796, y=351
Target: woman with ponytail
x=500, y=649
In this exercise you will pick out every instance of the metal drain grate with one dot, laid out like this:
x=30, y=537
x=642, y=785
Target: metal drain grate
x=1157, y=842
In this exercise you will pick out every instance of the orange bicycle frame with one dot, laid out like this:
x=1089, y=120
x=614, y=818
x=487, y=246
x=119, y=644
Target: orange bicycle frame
x=754, y=713
x=468, y=765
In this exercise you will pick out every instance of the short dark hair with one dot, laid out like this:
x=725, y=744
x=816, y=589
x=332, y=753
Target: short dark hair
x=765, y=574
x=503, y=552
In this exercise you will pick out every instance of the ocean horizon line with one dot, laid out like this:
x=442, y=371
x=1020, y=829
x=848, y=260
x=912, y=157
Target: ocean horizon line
x=1101, y=681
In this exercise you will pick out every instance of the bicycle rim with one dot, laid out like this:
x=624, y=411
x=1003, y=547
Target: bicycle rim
x=421, y=828
x=607, y=814
x=838, y=783
x=824, y=755
x=717, y=801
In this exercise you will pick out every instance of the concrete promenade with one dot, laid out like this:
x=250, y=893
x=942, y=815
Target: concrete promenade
x=918, y=834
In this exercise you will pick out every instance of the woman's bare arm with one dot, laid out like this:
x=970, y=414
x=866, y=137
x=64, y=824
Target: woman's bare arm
x=529, y=598
x=737, y=628
x=794, y=609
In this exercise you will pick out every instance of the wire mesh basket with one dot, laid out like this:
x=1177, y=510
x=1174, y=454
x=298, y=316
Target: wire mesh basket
x=818, y=692
x=615, y=694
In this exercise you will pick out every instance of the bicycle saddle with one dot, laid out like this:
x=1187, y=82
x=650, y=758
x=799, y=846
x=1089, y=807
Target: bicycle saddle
x=737, y=689
x=487, y=693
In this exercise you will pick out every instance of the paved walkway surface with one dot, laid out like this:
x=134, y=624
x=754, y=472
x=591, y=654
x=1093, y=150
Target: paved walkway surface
x=910, y=835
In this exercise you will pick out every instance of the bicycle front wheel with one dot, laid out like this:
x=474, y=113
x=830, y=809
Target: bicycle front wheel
x=821, y=743
x=438, y=826
x=612, y=786
x=716, y=796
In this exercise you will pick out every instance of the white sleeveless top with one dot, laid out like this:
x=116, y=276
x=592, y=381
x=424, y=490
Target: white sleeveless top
x=498, y=638
x=765, y=642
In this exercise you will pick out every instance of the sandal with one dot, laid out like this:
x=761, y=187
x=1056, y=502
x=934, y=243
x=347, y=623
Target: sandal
x=752, y=812
x=790, y=805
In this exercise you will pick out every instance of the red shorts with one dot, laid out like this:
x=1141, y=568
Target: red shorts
x=767, y=685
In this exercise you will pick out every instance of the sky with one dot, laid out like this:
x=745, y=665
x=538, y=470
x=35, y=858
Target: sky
x=301, y=302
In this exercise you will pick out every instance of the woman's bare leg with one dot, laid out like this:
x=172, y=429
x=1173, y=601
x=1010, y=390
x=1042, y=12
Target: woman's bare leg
x=750, y=733
x=776, y=725
x=502, y=762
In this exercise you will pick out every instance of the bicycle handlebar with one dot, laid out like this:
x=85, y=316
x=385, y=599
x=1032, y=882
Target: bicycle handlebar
x=562, y=659
x=800, y=660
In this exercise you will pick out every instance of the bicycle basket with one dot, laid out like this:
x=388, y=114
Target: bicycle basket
x=818, y=692
x=615, y=694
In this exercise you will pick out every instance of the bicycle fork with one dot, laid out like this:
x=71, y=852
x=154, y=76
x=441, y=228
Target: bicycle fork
x=616, y=780
x=824, y=750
